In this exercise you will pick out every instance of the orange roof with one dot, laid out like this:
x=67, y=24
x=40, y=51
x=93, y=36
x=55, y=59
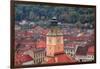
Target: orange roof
x=44, y=32
x=71, y=44
x=20, y=58
x=52, y=60
x=26, y=58
x=78, y=38
x=61, y=59
x=41, y=44
x=90, y=50
x=64, y=58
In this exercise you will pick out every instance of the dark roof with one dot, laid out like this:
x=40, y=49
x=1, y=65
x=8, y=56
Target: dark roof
x=81, y=50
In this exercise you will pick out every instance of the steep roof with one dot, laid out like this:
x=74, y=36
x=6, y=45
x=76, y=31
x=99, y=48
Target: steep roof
x=21, y=58
x=81, y=51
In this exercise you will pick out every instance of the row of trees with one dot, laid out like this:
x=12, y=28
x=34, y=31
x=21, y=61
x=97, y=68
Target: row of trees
x=63, y=13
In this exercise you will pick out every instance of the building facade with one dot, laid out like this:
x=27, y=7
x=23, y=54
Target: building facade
x=38, y=55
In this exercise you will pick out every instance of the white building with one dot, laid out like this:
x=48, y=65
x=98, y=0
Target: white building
x=70, y=49
x=38, y=55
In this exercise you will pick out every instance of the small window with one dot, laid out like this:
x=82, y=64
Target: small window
x=50, y=41
x=70, y=50
x=80, y=60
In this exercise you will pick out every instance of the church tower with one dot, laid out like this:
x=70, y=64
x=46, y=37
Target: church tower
x=54, y=40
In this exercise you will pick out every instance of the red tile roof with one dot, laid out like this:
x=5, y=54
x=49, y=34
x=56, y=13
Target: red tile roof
x=44, y=32
x=26, y=58
x=90, y=50
x=29, y=33
x=52, y=60
x=20, y=58
x=61, y=59
x=78, y=38
x=71, y=44
x=41, y=44
x=28, y=42
x=64, y=58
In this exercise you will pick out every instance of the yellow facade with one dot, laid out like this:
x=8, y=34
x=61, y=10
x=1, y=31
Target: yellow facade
x=54, y=42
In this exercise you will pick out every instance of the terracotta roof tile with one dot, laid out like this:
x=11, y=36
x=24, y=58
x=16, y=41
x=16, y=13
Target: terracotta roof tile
x=41, y=44
x=61, y=59
x=90, y=50
x=20, y=58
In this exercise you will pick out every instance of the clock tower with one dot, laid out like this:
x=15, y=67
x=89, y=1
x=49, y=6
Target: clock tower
x=54, y=40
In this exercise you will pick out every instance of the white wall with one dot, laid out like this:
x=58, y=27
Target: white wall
x=5, y=34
